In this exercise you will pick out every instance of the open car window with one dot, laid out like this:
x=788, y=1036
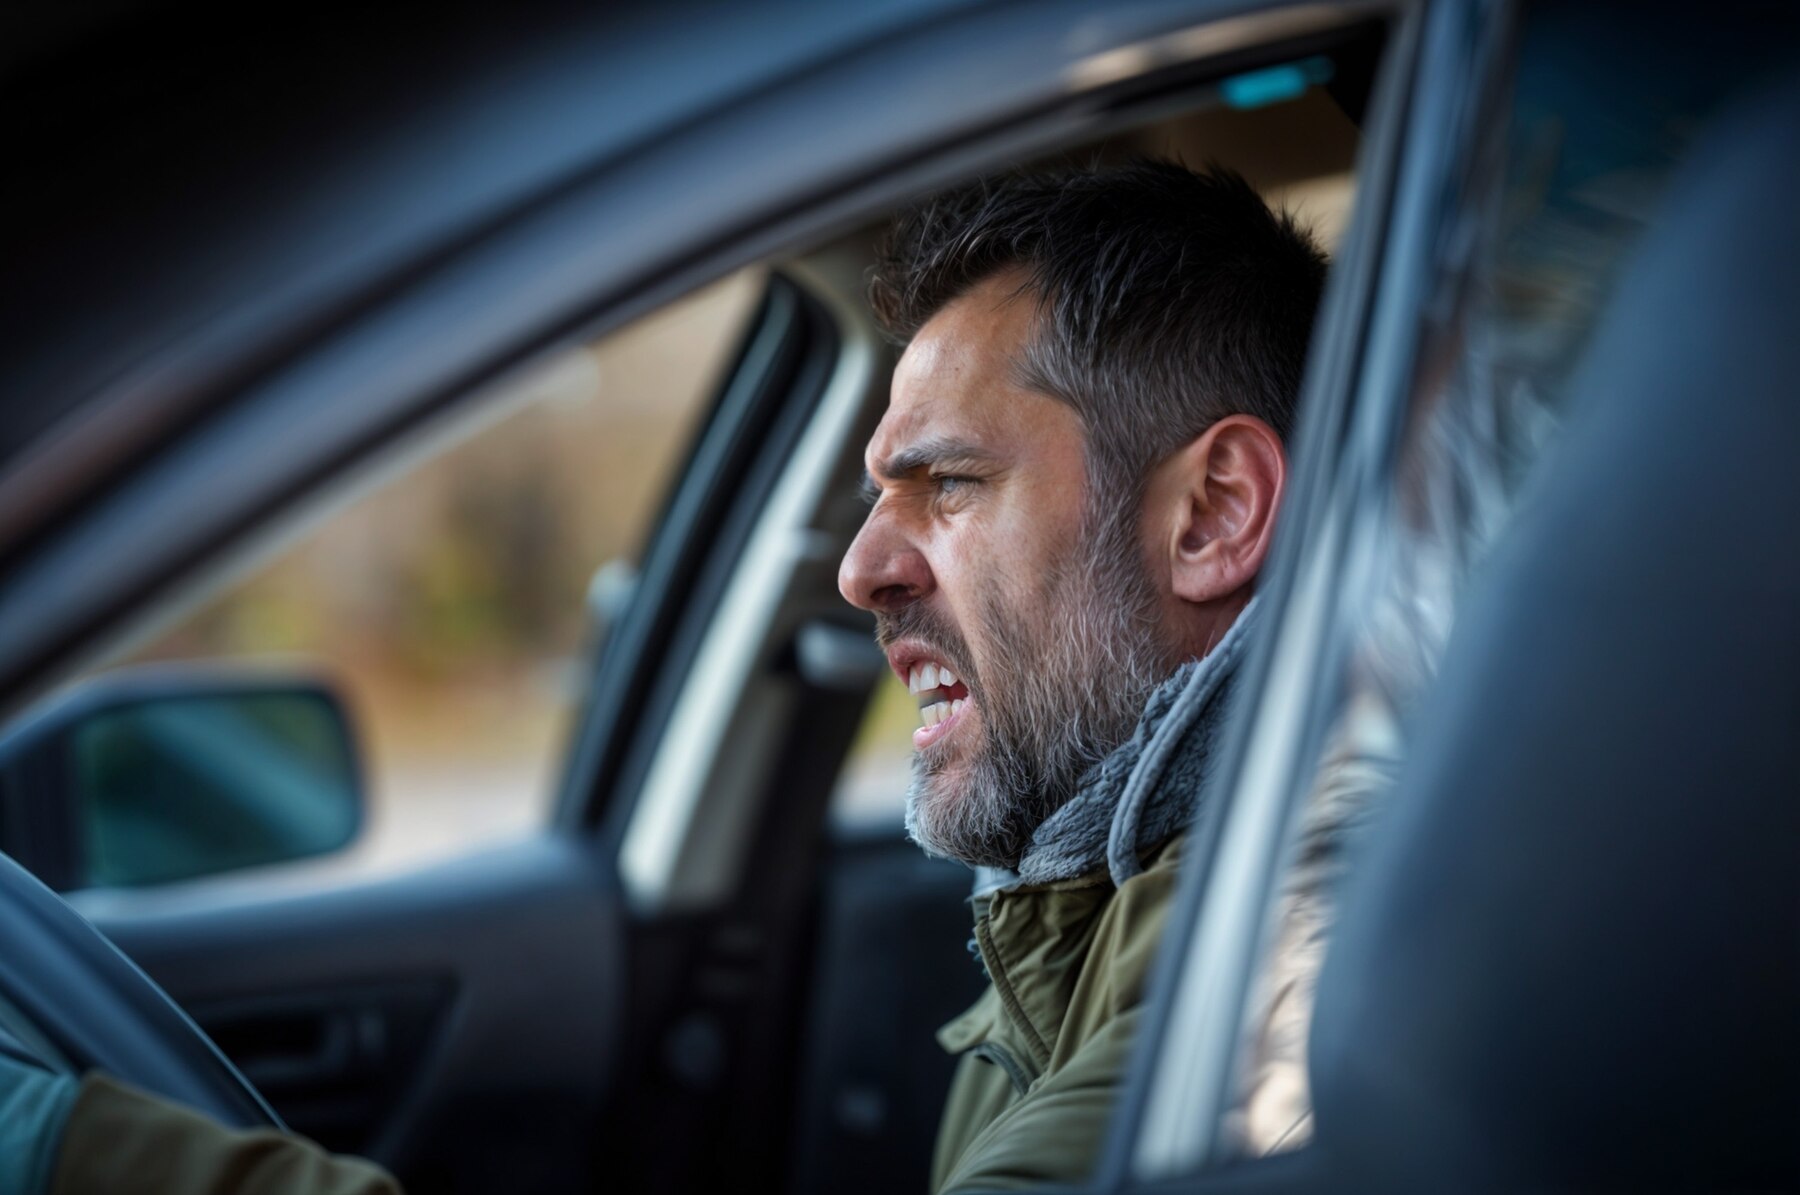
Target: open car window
x=452, y=594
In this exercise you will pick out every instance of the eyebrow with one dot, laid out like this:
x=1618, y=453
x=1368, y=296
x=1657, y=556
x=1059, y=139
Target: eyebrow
x=934, y=450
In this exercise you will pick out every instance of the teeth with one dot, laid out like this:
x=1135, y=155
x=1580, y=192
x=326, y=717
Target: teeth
x=925, y=677
x=937, y=711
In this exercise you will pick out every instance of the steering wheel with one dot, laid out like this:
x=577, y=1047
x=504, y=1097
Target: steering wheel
x=95, y=1006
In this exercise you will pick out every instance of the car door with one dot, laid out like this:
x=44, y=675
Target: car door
x=1540, y=161
x=639, y=961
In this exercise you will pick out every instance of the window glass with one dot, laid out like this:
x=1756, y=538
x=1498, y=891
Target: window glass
x=1587, y=146
x=450, y=602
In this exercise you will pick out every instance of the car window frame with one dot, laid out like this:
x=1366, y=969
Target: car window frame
x=790, y=363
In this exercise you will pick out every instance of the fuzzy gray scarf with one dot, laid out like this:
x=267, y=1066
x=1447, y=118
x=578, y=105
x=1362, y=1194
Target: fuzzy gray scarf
x=1148, y=788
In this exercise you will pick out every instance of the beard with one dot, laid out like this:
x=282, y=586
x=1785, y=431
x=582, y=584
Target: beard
x=1061, y=680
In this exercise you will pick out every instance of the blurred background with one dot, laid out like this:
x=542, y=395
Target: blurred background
x=445, y=598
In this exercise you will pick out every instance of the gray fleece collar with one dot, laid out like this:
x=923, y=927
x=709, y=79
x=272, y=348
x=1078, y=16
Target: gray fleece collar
x=1147, y=789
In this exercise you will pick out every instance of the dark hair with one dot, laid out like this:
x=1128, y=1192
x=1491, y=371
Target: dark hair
x=1168, y=299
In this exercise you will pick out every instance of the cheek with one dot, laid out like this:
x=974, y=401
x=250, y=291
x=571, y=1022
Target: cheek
x=1033, y=540
x=1001, y=565
x=971, y=580
x=984, y=552
x=959, y=566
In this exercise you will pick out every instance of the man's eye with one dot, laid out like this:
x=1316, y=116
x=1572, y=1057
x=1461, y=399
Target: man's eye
x=950, y=483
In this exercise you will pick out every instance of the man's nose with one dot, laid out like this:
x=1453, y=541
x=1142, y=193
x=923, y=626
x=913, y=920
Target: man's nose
x=883, y=570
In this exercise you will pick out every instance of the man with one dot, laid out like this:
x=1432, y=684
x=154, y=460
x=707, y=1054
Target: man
x=1074, y=489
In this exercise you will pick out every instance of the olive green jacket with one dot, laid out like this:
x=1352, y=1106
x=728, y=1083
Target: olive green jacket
x=119, y=1141
x=1045, y=1048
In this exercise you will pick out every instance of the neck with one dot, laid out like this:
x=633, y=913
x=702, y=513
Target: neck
x=1204, y=625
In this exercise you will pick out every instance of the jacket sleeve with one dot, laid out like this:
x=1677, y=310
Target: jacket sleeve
x=1053, y=1134
x=120, y=1141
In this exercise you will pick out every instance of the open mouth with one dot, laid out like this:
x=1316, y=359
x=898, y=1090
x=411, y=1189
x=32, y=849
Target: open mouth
x=942, y=698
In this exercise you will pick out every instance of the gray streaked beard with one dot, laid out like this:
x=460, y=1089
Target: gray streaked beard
x=1062, y=684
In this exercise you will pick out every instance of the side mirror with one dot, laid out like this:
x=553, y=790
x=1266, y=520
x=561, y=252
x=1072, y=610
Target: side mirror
x=169, y=773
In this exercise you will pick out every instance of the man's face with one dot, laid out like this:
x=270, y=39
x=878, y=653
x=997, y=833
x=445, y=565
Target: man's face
x=1016, y=607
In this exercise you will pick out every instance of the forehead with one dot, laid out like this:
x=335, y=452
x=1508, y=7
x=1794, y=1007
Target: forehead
x=957, y=378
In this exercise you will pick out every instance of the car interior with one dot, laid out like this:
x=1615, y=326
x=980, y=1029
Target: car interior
x=760, y=973
x=714, y=961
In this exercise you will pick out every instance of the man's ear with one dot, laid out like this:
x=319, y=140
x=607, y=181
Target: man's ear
x=1223, y=491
